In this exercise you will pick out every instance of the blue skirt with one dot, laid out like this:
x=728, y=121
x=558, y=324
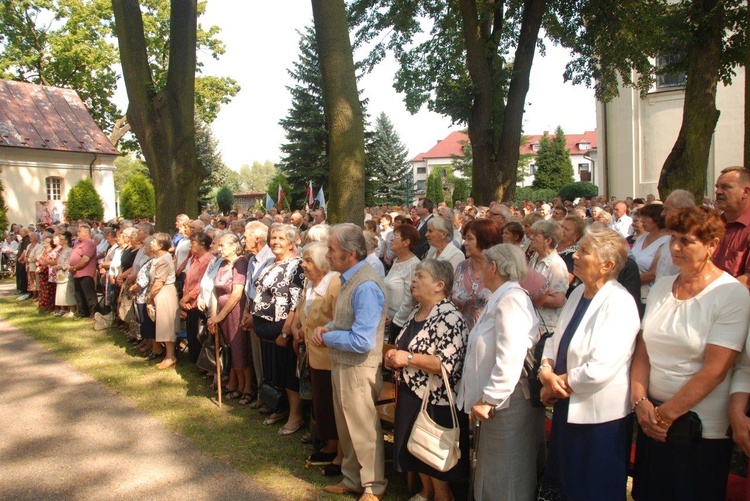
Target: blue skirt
x=587, y=461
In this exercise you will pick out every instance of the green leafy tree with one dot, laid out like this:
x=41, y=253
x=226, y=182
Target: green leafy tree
x=389, y=160
x=84, y=202
x=463, y=163
x=126, y=167
x=68, y=43
x=461, y=190
x=554, y=168
x=305, y=152
x=207, y=151
x=462, y=69
x=434, y=189
x=257, y=177
x=137, y=198
x=225, y=199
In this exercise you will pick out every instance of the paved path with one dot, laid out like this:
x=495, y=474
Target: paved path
x=65, y=436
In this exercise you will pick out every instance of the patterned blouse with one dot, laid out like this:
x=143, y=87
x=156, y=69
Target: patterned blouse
x=143, y=281
x=469, y=293
x=555, y=272
x=444, y=335
x=278, y=290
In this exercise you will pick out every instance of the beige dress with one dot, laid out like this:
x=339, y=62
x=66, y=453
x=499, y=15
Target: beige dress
x=166, y=300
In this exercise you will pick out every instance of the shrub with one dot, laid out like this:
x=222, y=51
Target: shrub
x=584, y=189
x=84, y=202
x=137, y=199
x=461, y=190
x=225, y=199
x=529, y=193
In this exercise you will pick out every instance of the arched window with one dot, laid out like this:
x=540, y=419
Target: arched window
x=54, y=188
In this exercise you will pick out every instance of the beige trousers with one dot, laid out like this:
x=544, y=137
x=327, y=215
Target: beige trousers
x=355, y=390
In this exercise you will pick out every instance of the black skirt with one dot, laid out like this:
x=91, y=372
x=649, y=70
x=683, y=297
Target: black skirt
x=409, y=405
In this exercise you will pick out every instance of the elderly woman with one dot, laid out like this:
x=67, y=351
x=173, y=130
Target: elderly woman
x=469, y=292
x=648, y=248
x=440, y=237
x=546, y=260
x=65, y=295
x=527, y=222
x=572, y=228
x=404, y=240
x=200, y=259
x=316, y=308
x=371, y=241
x=694, y=327
x=434, y=335
x=33, y=252
x=226, y=312
x=510, y=453
x=277, y=293
x=139, y=291
x=163, y=297
x=585, y=373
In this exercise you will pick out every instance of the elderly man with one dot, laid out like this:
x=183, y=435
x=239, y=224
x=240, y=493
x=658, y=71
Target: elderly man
x=621, y=222
x=298, y=221
x=260, y=254
x=83, y=267
x=425, y=210
x=355, y=342
x=733, y=200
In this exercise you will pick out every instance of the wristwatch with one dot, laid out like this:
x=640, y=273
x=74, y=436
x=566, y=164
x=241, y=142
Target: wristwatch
x=408, y=359
x=284, y=335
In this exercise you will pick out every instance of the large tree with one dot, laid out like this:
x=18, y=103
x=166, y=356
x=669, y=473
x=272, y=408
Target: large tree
x=388, y=159
x=343, y=111
x=209, y=155
x=163, y=118
x=257, y=177
x=305, y=152
x=463, y=70
x=69, y=43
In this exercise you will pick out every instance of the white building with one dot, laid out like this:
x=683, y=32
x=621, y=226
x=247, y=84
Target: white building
x=637, y=134
x=48, y=142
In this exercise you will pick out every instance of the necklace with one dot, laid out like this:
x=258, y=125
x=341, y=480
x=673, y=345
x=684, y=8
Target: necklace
x=700, y=283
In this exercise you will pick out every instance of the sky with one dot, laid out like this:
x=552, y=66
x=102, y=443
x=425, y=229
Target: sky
x=262, y=43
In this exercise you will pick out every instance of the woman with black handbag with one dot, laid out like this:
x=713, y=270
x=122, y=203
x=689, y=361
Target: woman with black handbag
x=277, y=292
x=432, y=339
x=694, y=327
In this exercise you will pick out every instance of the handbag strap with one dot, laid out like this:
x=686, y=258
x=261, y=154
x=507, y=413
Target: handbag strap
x=428, y=390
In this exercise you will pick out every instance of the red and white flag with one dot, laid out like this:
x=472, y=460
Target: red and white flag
x=280, y=197
x=310, y=197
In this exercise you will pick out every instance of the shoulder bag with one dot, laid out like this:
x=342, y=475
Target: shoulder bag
x=435, y=445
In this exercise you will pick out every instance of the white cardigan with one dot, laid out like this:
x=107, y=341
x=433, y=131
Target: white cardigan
x=599, y=354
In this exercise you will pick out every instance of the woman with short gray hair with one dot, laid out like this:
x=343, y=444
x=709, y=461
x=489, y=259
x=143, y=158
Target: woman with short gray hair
x=511, y=449
x=546, y=260
x=440, y=237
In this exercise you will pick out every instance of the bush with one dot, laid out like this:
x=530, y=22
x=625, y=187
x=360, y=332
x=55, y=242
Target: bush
x=434, y=189
x=529, y=193
x=461, y=190
x=84, y=202
x=225, y=199
x=137, y=199
x=584, y=189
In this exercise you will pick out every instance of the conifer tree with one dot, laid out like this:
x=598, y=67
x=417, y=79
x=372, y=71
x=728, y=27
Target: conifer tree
x=554, y=168
x=388, y=160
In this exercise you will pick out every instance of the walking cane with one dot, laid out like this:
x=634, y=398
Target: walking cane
x=473, y=459
x=218, y=361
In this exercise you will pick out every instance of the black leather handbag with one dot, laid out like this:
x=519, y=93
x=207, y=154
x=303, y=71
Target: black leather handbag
x=271, y=397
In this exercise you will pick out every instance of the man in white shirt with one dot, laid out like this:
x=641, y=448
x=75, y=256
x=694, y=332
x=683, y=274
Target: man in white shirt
x=621, y=222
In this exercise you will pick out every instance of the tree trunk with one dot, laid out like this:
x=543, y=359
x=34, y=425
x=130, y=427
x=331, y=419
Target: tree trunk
x=343, y=113
x=164, y=120
x=494, y=125
x=686, y=166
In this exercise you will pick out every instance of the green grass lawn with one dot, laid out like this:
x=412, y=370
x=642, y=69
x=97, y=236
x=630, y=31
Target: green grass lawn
x=184, y=403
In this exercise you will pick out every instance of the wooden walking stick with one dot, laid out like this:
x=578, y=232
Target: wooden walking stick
x=218, y=361
x=473, y=459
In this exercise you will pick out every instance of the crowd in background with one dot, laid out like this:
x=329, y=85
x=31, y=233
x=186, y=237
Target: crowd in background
x=646, y=301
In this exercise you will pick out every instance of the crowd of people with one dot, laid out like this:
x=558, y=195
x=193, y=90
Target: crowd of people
x=646, y=302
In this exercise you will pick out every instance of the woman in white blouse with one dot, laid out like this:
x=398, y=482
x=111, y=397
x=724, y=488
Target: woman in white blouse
x=647, y=248
x=510, y=453
x=695, y=325
x=545, y=235
x=440, y=237
x=585, y=373
x=404, y=240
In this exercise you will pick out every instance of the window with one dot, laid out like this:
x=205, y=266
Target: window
x=421, y=170
x=532, y=169
x=583, y=167
x=54, y=188
x=584, y=146
x=421, y=186
x=672, y=80
x=535, y=147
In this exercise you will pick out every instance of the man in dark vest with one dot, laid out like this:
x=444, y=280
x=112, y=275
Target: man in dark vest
x=355, y=341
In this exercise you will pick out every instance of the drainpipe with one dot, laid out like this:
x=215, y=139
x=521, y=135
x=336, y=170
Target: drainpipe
x=91, y=167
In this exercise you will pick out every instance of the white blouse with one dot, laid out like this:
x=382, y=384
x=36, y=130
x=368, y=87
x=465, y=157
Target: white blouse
x=398, y=290
x=497, y=348
x=450, y=253
x=676, y=333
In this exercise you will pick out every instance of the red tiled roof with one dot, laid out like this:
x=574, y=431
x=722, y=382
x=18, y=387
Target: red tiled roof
x=573, y=142
x=48, y=118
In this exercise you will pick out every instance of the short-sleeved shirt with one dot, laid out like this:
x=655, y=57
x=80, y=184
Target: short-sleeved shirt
x=676, y=333
x=555, y=272
x=86, y=247
x=733, y=253
x=162, y=268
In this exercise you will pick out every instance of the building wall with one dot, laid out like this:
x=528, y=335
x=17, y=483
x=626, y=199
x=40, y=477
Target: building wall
x=24, y=173
x=636, y=136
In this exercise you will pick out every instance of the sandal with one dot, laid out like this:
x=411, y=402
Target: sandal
x=232, y=394
x=275, y=418
x=246, y=398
